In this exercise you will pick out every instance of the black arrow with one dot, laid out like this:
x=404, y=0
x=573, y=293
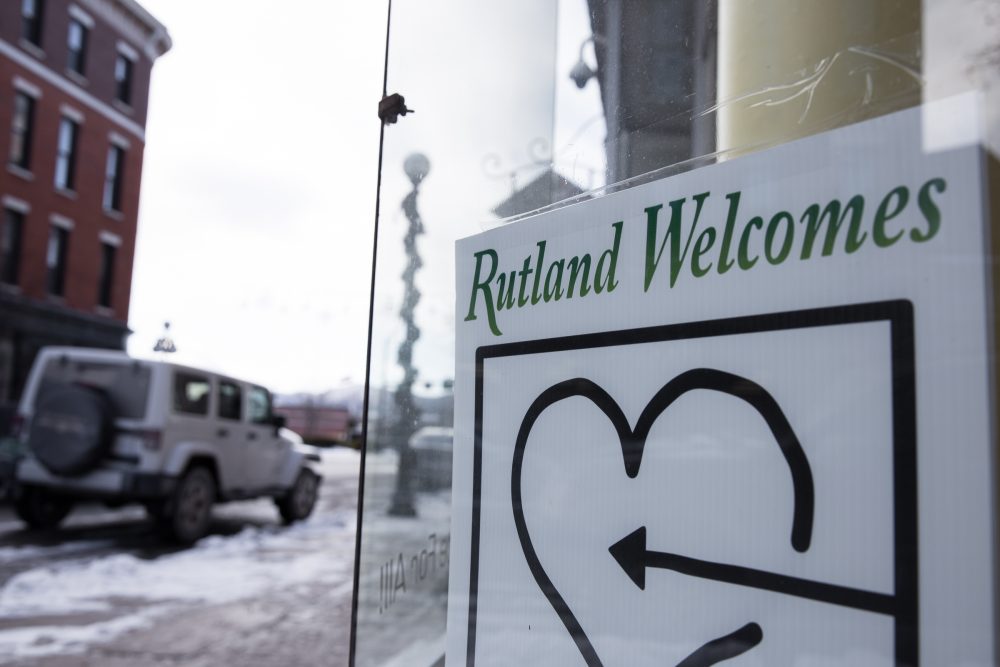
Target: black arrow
x=634, y=558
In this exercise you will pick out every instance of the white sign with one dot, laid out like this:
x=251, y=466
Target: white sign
x=743, y=413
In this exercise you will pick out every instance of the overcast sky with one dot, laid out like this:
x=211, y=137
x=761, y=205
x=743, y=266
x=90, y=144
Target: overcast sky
x=258, y=193
x=259, y=188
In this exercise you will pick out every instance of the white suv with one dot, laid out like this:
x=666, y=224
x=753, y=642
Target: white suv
x=100, y=424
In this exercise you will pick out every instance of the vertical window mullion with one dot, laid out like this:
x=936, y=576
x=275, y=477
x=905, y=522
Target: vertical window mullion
x=21, y=131
x=62, y=165
x=119, y=176
x=76, y=41
x=31, y=21
x=52, y=259
x=74, y=133
x=123, y=79
x=84, y=39
x=56, y=260
x=10, y=246
x=113, y=176
x=65, y=176
x=107, y=275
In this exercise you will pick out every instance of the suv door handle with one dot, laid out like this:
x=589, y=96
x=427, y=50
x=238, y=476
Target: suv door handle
x=222, y=433
x=251, y=436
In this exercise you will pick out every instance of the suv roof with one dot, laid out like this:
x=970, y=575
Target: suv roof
x=99, y=354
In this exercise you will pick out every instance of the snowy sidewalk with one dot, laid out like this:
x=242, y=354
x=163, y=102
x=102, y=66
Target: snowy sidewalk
x=266, y=595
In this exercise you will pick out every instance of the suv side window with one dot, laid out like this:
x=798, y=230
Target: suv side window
x=259, y=405
x=230, y=400
x=191, y=394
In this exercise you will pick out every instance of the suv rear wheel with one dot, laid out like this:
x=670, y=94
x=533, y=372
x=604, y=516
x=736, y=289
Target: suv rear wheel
x=41, y=509
x=298, y=503
x=191, y=506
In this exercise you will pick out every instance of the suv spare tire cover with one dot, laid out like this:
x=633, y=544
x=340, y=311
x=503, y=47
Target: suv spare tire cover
x=71, y=429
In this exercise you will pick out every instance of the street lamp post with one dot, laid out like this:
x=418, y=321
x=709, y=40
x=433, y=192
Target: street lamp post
x=165, y=343
x=416, y=166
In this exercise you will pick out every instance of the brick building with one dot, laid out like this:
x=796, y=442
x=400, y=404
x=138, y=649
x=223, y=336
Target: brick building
x=318, y=424
x=74, y=85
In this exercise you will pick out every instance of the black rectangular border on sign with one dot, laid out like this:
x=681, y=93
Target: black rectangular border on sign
x=898, y=313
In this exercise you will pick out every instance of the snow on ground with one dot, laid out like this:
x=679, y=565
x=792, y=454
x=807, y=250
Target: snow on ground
x=15, y=554
x=36, y=641
x=64, y=607
x=89, y=520
x=338, y=461
x=217, y=569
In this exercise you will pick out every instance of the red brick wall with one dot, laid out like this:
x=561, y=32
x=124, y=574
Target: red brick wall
x=318, y=423
x=85, y=209
x=101, y=52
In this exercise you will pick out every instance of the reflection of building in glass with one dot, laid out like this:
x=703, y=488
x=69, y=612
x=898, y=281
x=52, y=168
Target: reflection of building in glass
x=75, y=82
x=656, y=66
x=318, y=422
x=547, y=188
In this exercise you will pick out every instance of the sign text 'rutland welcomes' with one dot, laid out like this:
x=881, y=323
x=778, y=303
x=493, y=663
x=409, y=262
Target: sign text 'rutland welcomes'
x=580, y=276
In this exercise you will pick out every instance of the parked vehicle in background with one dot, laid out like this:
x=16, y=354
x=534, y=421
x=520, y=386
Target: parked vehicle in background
x=100, y=424
x=432, y=447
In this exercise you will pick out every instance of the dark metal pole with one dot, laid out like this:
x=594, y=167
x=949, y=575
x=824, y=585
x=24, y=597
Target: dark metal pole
x=368, y=358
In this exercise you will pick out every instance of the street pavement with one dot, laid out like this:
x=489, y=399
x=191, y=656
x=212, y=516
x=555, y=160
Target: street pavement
x=106, y=590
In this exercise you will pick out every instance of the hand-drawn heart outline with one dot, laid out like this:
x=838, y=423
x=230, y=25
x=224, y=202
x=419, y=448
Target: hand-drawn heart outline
x=633, y=442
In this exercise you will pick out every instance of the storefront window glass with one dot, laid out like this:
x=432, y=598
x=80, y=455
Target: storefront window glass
x=822, y=148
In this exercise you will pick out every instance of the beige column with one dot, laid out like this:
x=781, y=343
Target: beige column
x=791, y=68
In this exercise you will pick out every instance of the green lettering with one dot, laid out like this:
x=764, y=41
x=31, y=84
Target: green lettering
x=833, y=214
x=930, y=210
x=522, y=300
x=535, y=296
x=743, y=256
x=727, y=237
x=901, y=196
x=554, y=291
x=701, y=246
x=677, y=258
x=484, y=286
x=576, y=265
x=611, y=255
x=772, y=230
x=508, y=300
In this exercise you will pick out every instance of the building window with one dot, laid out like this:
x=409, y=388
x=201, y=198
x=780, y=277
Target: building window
x=107, y=280
x=55, y=260
x=123, y=79
x=230, y=401
x=66, y=156
x=31, y=20
x=113, y=178
x=22, y=128
x=10, y=246
x=76, y=40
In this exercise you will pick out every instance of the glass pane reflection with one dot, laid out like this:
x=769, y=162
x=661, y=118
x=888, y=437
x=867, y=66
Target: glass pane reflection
x=524, y=107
